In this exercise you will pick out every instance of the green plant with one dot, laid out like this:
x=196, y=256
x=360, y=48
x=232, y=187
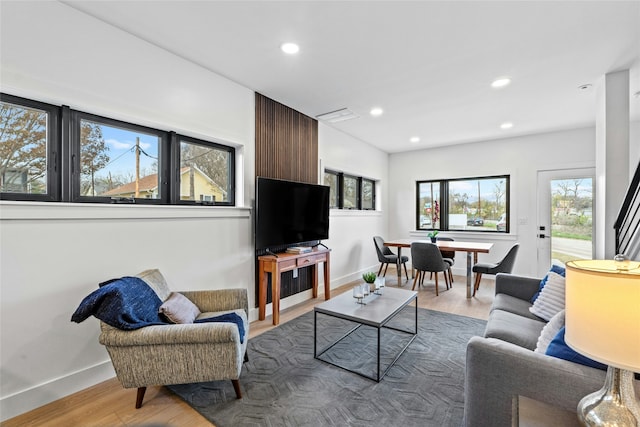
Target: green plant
x=369, y=277
x=433, y=234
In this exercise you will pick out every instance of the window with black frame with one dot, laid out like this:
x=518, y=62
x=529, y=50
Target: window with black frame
x=106, y=160
x=117, y=161
x=332, y=179
x=204, y=174
x=29, y=150
x=368, y=192
x=349, y=191
x=464, y=204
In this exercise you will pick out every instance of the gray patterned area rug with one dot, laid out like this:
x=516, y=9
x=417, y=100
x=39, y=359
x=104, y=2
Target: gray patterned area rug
x=284, y=385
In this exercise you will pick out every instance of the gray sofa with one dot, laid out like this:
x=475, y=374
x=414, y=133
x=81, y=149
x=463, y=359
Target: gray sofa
x=502, y=365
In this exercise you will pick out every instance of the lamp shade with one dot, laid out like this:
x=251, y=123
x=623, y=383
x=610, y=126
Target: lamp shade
x=603, y=311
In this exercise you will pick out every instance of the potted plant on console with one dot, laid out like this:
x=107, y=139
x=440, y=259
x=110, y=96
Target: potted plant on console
x=432, y=235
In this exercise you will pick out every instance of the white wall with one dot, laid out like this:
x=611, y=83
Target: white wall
x=634, y=147
x=53, y=254
x=519, y=157
x=351, y=232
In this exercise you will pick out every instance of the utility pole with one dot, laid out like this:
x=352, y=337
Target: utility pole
x=137, y=194
x=479, y=207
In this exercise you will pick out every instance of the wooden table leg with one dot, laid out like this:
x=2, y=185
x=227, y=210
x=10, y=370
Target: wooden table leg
x=314, y=280
x=275, y=295
x=262, y=291
x=327, y=280
x=469, y=274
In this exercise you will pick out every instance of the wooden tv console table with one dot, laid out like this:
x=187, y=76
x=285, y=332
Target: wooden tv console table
x=276, y=265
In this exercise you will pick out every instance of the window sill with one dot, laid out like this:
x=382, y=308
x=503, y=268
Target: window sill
x=353, y=213
x=467, y=235
x=11, y=210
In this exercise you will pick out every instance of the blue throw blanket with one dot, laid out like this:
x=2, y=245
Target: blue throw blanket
x=130, y=303
x=228, y=317
x=126, y=303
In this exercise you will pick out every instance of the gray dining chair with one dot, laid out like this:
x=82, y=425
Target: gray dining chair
x=503, y=266
x=386, y=257
x=426, y=257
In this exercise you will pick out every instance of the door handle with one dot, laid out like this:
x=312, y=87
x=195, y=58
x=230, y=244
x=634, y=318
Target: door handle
x=544, y=236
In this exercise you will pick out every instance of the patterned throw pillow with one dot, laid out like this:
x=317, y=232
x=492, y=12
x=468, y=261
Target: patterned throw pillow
x=179, y=309
x=551, y=299
x=555, y=268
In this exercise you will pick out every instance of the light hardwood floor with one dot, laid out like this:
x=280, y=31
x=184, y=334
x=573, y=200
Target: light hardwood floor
x=108, y=404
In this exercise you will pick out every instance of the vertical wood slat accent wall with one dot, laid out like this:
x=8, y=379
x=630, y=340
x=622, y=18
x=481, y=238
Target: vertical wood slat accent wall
x=286, y=142
x=286, y=148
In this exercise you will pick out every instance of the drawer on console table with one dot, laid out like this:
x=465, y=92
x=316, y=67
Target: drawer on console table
x=287, y=265
x=310, y=260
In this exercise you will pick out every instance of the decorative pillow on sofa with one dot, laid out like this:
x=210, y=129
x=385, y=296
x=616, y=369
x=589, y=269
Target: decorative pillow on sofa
x=179, y=309
x=551, y=299
x=549, y=331
x=559, y=348
x=555, y=268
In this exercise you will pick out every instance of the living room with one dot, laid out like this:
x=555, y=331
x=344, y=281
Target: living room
x=53, y=254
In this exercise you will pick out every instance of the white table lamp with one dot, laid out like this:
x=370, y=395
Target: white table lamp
x=603, y=323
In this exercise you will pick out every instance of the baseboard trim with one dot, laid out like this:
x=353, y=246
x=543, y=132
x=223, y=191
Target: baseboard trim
x=37, y=396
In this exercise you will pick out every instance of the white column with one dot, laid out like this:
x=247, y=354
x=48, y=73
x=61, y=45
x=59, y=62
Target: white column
x=612, y=157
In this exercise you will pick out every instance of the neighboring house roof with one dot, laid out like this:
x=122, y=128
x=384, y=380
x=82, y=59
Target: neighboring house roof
x=149, y=183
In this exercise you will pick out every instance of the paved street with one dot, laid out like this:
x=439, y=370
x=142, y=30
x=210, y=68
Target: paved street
x=573, y=247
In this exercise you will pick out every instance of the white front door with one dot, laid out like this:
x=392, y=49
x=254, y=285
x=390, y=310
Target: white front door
x=565, y=216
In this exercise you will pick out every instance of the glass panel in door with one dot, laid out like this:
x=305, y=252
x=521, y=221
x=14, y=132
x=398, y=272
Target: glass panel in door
x=566, y=228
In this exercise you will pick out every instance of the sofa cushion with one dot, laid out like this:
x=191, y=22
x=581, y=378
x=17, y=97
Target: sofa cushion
x=510, y=327
x=549, y=331
x=513, y=305
x=179, y=309
x=551, y=299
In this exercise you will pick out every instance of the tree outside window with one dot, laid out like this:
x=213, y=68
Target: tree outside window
x=23, y=149
x=368, y=194
x=204, y=173
x=331, y=179
x=350, y=191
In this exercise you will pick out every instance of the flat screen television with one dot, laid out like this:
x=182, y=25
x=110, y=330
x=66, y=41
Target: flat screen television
x=289, y=212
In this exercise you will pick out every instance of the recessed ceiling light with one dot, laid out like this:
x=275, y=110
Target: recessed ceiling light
x=585, y=87
x=501, y=82
x=377, y=111
x=506, y=125
x=414, y=139
x=290, y=48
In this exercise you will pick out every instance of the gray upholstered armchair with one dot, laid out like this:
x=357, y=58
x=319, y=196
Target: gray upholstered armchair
x=181, y=353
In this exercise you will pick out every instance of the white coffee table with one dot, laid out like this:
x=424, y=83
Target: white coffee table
x=377, y=312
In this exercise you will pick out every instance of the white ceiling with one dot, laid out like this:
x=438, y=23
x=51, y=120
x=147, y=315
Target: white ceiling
x=428, y=64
